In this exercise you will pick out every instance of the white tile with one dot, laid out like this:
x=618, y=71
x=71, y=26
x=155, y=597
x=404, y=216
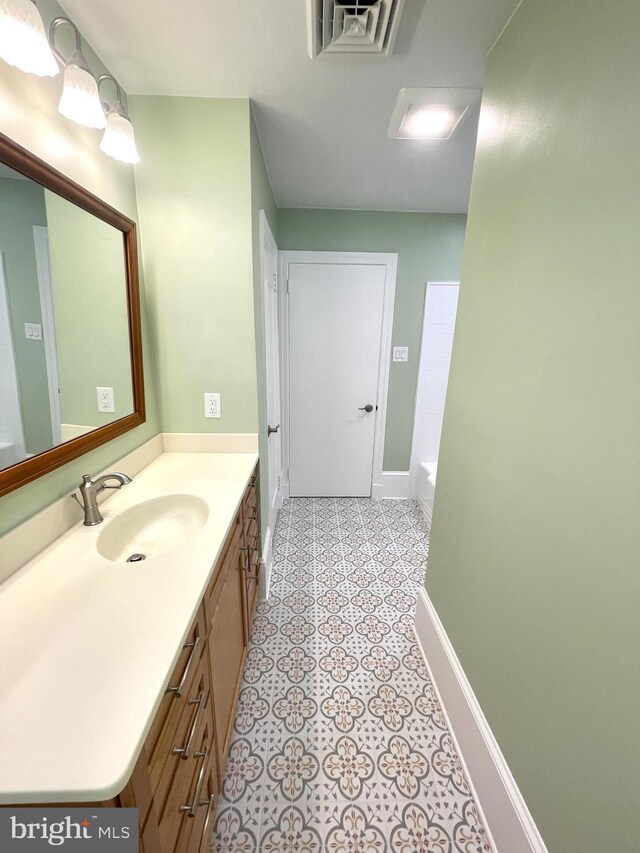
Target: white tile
x=327, y=732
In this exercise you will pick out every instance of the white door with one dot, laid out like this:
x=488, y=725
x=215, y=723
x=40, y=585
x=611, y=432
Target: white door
x=272, y=369
x=12, y=446
x=335, y=328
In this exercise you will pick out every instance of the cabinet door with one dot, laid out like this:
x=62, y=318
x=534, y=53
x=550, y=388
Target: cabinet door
x=227, y=644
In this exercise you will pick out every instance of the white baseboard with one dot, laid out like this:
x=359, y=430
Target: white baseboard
x=391, y=484
x=427, y=510
x=504, y=810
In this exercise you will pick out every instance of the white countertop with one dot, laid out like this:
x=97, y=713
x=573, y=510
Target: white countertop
x=87, y=645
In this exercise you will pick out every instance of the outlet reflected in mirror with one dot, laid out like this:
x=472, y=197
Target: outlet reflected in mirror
x=65, y=354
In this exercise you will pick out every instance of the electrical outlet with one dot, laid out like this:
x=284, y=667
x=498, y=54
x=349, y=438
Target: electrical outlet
x=401, y=353
x=212, y=406
x=106, y=402
x=33, y=331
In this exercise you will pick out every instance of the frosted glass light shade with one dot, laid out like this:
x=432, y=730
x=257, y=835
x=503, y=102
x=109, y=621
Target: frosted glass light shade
x=118, y=140
x=80, y=101
x=23, y=42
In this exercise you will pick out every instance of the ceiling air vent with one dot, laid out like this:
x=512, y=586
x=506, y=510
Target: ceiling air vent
x=352, y=26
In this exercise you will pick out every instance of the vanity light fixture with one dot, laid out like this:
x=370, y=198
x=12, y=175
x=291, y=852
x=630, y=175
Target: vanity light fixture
x=80, y=100
x=430, y=113
x=118, y=140
x=23, y=41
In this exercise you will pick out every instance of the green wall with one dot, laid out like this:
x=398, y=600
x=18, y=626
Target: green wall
x=429, y=248
x=536, y=535
x=21, y=207
x=194, y=193
x=88, y=281
x=261, y=199
x=30, y=116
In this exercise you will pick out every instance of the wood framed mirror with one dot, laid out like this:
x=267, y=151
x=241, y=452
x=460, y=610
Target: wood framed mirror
x=71, y=372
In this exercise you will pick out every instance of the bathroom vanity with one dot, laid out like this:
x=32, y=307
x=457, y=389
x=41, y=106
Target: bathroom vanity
x=122, y=682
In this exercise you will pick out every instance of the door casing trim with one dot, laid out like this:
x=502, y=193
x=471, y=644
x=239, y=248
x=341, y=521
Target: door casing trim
x=269, y=509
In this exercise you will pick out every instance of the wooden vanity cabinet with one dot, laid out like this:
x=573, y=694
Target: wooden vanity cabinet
x=227, y=640
x=251, y=551
x=180, y=770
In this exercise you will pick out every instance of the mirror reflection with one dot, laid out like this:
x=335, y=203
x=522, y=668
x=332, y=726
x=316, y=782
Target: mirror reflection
x=65, y=363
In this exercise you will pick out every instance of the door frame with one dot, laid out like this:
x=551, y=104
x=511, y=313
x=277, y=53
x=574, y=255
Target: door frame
x=266, y=237
x=43, y=267
x=390, y=261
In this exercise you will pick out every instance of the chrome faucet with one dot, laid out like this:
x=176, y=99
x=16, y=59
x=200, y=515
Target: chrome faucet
x=89, y=491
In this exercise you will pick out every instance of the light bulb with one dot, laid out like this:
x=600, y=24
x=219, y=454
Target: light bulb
x=430, y=121
x=118, y=140
x=80, y=101
x=23, y=42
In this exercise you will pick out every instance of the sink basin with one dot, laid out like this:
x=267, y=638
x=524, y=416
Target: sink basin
x=152, y=528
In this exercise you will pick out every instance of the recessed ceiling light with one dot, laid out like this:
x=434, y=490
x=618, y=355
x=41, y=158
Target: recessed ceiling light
x=434, y=121
x=430, y=113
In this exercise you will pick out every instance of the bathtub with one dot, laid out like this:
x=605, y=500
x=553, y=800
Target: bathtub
x=426, y=487
x=8, y=454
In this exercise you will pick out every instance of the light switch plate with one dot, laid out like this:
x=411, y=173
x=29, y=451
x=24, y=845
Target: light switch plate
x=106, y=400
x=401, y=353
x=212, y=405
x=33, y=331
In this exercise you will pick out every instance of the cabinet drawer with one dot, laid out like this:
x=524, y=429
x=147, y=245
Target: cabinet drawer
x=229, y=554
x=252, y=536
x=227, y=646
x=249, y=515
x=193, y=785
x=181, y=678
x=231, y=543
x=250, y=499
x=177, y=741
x=194, y=834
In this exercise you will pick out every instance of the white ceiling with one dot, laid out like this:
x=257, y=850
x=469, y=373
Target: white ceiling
x=322, y=122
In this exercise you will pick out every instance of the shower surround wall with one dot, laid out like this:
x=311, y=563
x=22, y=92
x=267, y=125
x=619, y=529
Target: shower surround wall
x=433, y=375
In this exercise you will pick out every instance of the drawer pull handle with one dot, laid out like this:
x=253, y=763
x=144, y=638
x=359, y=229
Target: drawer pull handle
x=205, y=828
x=197, y=802
x=247, y=562
x=184, y=751
x=185, y=675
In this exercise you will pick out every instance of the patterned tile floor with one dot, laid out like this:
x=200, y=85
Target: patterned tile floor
x=340, y=744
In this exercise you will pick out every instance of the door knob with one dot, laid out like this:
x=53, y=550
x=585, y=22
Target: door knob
x=367, y=408
x=271, y=429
